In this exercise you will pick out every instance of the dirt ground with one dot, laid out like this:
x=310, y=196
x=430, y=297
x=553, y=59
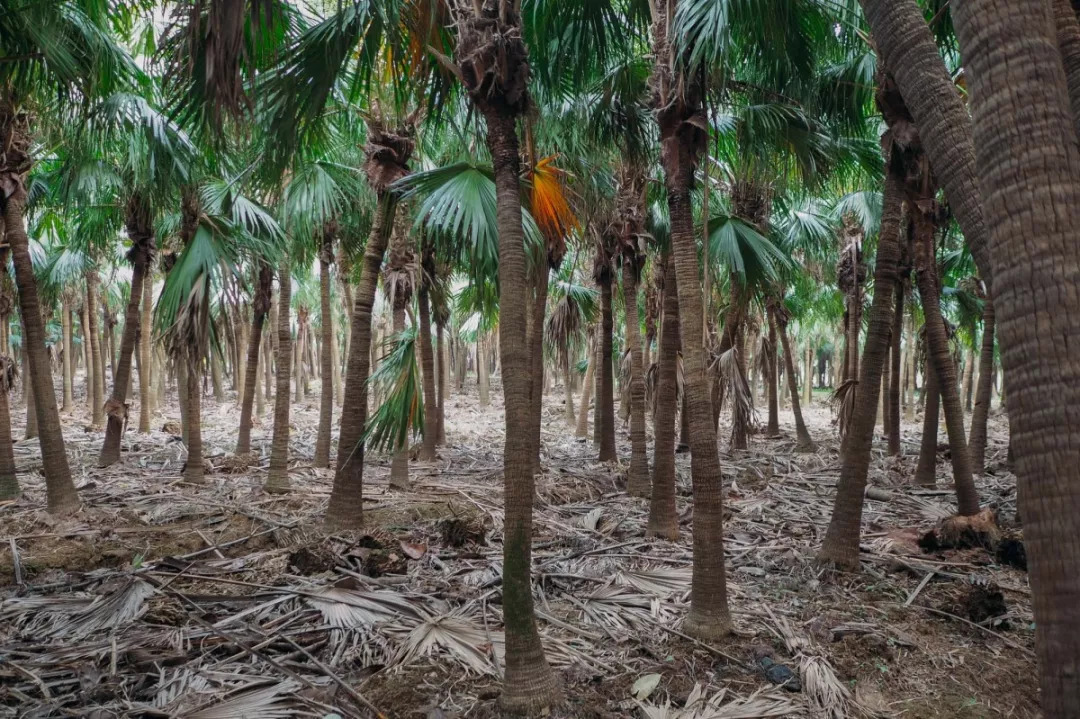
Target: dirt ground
x=163, y=600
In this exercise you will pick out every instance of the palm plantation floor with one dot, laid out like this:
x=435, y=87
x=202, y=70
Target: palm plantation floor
x=159, y=599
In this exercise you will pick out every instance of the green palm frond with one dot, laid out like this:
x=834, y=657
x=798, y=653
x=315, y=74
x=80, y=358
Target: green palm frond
x=397, y=380
x=738, y=247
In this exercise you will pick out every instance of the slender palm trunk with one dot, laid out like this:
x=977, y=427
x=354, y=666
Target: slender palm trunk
x=444, y=380
x=803, y=441
x=216, y=381
x=98, y=370
x=69, y=353
x=399, y=464
x=981, y=414
x=568, y=389
x=116, y=408
x=896, y=359
x=606, y=408
x=346, y=510
x=938, y=349
x=529, y=684
x=326, y=359
x=966, y=388
x=250, y=389
x=194, y=472
x=482, y=381
x=587, y=392
x=841, y=545
x=277, y=477
x=9, y=482
x=638, y=476
x=28, y=392
x=535, y=339
x=772, y=358
x=663, y=516
x=808, y=378
x=926, y=469
x=1028, y=162
x=145, y=366
x=88, y=361
x=909, y=411
x=427, y=363
x=60, y=490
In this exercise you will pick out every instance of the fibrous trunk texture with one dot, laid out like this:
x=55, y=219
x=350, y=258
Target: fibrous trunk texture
x=981, y=412
x=69, y=354
x=260, y=306
x=1029, y=164
x=638, y=475
x=841, y=545
x=803, y=441
x=277, y=477
x=399, y=464
x=345, y=510
x=587, y=390
x=146, y=366
x=9, y=483
x=943, y=366
x=60, y=490
x=326, y=360
x=663, y=517
x=427, y=365
x=192, y=387
x=97, y=420
x=141, y=232
x=605, y=411
x=893, y=405
x=773, y=355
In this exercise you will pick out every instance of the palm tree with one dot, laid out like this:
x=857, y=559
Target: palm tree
x=259, y=309
x=604, y=276
x=663, y=517
x=1024, y=134
x=277, y=478
x=678, y=103
x=981, y=412
x=326, y=361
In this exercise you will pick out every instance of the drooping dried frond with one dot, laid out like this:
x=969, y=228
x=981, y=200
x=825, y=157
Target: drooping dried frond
x=8, y=372
x=550, y=207
x=270, y=701
x=76, y=617
x=388, y=151
x=728, y=369
x=842, y=402
x=564, y=324
x=851, y=271
x=652, y=377
x=350, y=608
x=491, y=58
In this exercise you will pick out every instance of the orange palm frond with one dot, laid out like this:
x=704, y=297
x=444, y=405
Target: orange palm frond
x=548, y=200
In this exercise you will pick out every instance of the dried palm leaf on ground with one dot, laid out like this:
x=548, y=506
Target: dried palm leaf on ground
x=765, y=702
x=460, y=635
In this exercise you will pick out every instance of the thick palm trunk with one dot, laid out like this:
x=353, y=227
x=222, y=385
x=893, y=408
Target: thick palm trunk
x=841, y=545
x=926, y=469
x=803, y=441
x=427, y=365
x=326, y=359
x=893, y=405
x=145, y=366
x=215, y=375
x=250, y=389
x=587, y=392
x=663, y=516
x=60, y=490
x=773, y=356
x=346, y=510
x=906, y=47
x=69, y=353
x=981, y=413
x=1028, y=162
x=194, y=472
x=606, y=409
x=116, y=408
x=528, y=685
x=277, y=477
x=638, y=476
x=98, y=370
x=943, y=367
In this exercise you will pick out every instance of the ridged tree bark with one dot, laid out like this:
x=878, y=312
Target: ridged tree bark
x=140, y=230
x=638, y=476
x=926, y=468
x=538, y=295
x=1029, y=164
x=663, y=515
x=967, y=497
x=967, y=391
x=59, y=488
x=905, y=45
x=388, y=153
x=194, y=472
x=679, y=114
x=427, y=365
x=97, y=415
x=981, y=412
x=146, y=400
x=444, y=377
x=483, y=382
x=841, y=545
x=494, y=66
x=259, y=308
x=1068, y=40
x=28, y=392
x=606, y=409
x=773, y=427
x=277, y=477
x=896, y=359
x=568, y=390
x=808, y=378
x=587, y=389
x=326, y=359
